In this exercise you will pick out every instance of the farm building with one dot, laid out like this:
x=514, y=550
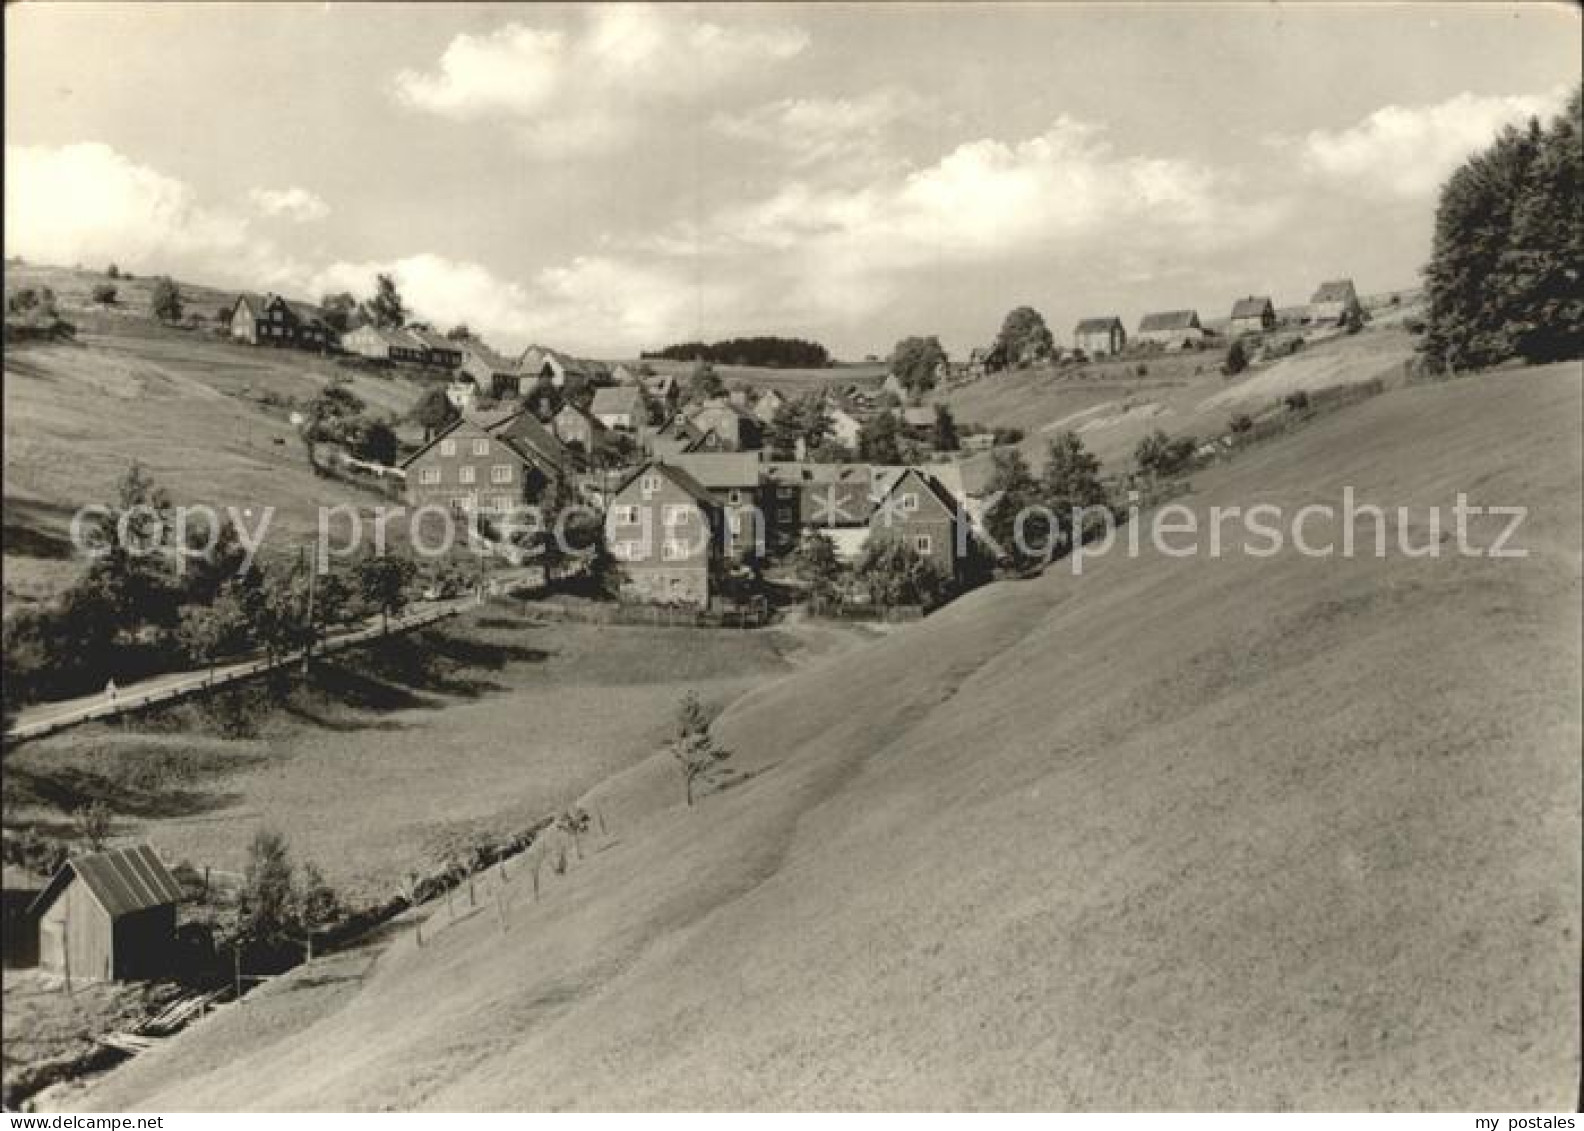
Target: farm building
x=1333, y=302
x=1100, y=337
x=382, y=344
x=108, y=916
x=663, y=526
x=271, y=320
x=1252, y=315
x=18, y=932
x=1172, y=329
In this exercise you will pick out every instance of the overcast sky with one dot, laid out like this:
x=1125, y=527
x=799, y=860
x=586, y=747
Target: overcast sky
x=615, y=177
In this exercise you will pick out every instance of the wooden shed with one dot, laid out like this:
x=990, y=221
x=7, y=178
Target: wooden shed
x=108, y=916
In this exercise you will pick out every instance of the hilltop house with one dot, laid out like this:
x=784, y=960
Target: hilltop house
x=662, y=528
x=1100, y=337
x=1252, y=315
x=1171, y=329
x=1334, y=302
x=385, y=344
x=108, y=916
x=620, y=407
x=486, y=464
x=272, y=320
x=733, y=482
x=919, y=511
x=440, y=351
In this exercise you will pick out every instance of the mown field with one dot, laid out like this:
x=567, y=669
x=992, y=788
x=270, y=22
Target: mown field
x=1243, y=832
x=788, y=382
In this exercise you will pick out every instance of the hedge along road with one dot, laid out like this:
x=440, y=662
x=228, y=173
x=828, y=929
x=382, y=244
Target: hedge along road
x=47, y=718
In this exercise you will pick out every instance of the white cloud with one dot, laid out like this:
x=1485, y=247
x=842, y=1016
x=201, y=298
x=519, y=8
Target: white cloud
x=86, y=203
x=585, y=90
x=1408, y=151
x=294, y=203
x=818, y=130
x=442, y=291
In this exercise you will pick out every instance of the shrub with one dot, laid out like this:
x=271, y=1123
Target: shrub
x=1297, y=402
x=1142, y=370
x=1240, y=424
x=1236, y=359
x=1159, y=454
x=104, y=293
x=92, y=823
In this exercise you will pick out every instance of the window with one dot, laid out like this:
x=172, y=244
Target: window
x=922, y=543
x=677, y=514
x=481, y=447
x=675, y=550
x=735, y=496
x=429, y=475
x=464, y=475
x=448, y=447
x=786, y=492
x=909, y=503
x=624, y=515
x=650, y=484
x=625, y=551
x=501, y=473
x=784, y=514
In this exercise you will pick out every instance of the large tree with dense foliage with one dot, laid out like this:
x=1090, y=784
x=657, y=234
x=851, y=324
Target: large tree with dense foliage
x=386, y=309
x=165, y=301
x=915, y=362
x=1508, y=256
x=805, y=418
x=1024, y=337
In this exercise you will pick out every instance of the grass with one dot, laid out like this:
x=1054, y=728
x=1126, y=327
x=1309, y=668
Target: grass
x=1246, y=833
x=184, y=403
x=488, y=725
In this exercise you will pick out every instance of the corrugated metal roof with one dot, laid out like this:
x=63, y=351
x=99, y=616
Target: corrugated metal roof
x=123, y=880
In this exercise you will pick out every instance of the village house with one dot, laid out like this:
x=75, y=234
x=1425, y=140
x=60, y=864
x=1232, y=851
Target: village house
x=440, y=351
x=1100, y=337
x=733, y=482
x=845, y=427
x=1333, y=302
x=919, y=511
x=725, y=427
x=1171, y=329
x=624, y=374
x=835, y=499
x=893, y=385
x=108, y=916
x=385, y=344
x=494, y=374
x=675, y=437
x=1253, y=315
x=271, y=320
x=664, y=390
x=463, y=392
x=769, y=403
x=620, y=407
x=552, y=365
x=662, y=527
x=577, y=429
x=486, y=464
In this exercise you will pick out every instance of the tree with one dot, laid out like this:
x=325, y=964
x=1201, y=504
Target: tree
x=945, y=433
x=383, y=582
x=433, y=412
x=806, y=418
x=104, y=293
x=386, y=309
x=376, y=442
x=1353, y=320
x=1236, y=358
x=92, y=822
x=915, y=362
x=315, y=903
x=1017, y=508
x=266, y=906
x=893, y=573
x=207, y=632
x=460, y=333
x=1024, y=338
x=879, y=439
x=338, y=309
x=112, y=272
x=1545, y=257
x=696, y=753
x=816, y=565
x=132, y=570
x=1159, y=454
x=165, y=301
x=704, y=383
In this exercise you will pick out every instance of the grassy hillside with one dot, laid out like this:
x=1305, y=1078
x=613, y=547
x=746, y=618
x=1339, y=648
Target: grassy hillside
x=1179, y=833
x=188, y=405
x=789, y=382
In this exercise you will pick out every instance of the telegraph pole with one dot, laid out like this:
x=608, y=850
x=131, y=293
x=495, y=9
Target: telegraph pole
x=313, y=563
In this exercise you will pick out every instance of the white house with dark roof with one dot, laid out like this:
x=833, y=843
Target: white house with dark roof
x=1100, y=337
x=1333, y=301
x=1252, y=315
x=1171, y=329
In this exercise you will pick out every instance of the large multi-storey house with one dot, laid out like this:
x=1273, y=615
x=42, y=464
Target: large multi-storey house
x=1171, y=329
x=488, y=465
x=271, y=320
x=734, y=482
x=663, y=529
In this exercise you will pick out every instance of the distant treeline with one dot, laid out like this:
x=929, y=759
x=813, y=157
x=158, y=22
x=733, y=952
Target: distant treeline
x=770, y=353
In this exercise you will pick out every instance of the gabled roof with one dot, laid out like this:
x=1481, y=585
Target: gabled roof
x=659, y=384
x=390, y=335
x=528, y=434
x=587, y=417
x=1098, y=325
x=1335, y=290
x=1169, y=320
x=933, y=485
x=717, y=470
x=472, y=348
x=303, y=311
x=1254, y=306
x=918, y=416
x=618, y=400
x=535, y=357
x=677, y=475
x=435, y=340
x=122, y=880
x=307, y=311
